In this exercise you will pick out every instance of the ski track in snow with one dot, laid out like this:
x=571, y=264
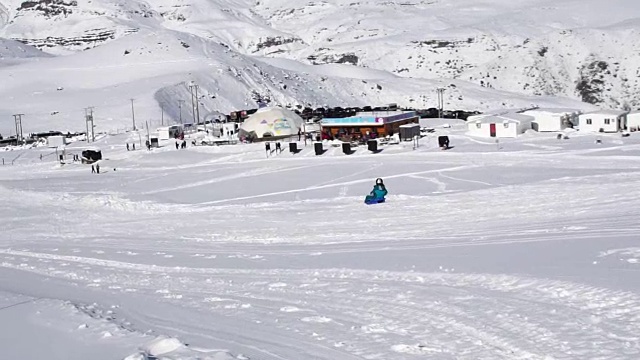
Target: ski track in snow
x=287, y=265
x=496, y=316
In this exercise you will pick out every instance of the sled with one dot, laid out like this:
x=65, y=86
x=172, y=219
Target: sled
x=369, y=201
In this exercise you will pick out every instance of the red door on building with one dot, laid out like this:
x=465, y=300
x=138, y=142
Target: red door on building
x=492, y=130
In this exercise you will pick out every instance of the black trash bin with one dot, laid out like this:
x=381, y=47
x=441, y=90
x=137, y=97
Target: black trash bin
x=372, y=145
x=443, y=141
x=346, y=148
x=293, y=147
x=318, y=148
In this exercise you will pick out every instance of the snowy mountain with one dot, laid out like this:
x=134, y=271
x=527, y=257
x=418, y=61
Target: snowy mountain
x=59, y=56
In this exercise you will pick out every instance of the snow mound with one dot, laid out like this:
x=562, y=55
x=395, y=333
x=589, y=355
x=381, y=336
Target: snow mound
x=169, y=348
x=162, y=345
x=417, y=349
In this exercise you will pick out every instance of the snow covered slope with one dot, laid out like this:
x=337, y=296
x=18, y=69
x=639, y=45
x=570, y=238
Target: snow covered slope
x=528, y=250
x=489, y=55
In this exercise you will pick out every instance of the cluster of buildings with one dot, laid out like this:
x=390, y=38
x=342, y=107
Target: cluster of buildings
x=498, y=124
x=275, y=122
x=509, y=123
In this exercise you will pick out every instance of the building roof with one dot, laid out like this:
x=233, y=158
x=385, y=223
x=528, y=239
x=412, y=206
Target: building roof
x=498, y=112
x=373, y=118
x=553, y=111
x=383, y=113
x=606, y=112
x=90, y=148
x=498, y=119
x=272, y=122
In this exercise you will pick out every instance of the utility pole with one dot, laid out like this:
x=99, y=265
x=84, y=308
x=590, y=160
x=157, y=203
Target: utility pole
x=197, y=105
x=440, y=101
x=162, y=116
x=18, y=119
x=86, y=123
x=93, y=127
x=133, y=115
x=180, y=102
x=193, y=105
x=88, y=118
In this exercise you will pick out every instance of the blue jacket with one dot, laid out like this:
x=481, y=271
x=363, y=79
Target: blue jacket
x=379, y=191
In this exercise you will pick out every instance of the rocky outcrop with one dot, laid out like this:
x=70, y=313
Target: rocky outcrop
x=334, y=59
x=591, y=85
x=274, y=42
x=49, y=8
x=88, y=40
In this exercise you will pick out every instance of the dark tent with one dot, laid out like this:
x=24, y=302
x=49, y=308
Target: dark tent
x=90, y=156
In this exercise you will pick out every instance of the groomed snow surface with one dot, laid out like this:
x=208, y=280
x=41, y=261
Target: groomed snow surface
x=522, y=249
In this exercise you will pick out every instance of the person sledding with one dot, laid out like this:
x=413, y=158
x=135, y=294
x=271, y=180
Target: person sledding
x=377, y=194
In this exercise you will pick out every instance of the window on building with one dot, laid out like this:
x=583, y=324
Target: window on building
x=607, y=121
x=589, y=122
x=478, y=125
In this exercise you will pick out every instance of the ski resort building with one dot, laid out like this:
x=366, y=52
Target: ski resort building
x=506, y=125
x=56, y=141
x=633, y=121
x=376, y=123
x=553, y=119
x=169, y=132
x=271, y=122
x=603, y=121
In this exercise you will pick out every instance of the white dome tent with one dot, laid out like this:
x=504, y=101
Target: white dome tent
x=271, y=122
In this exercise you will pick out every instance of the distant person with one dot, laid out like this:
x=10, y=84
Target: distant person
x=278, y=148
x=128, y=147
x=93, y=169
x=378, y=193
x=267, y=148
x=134, y=146
x=177, y=146
x=97, y=168
x=299, y=134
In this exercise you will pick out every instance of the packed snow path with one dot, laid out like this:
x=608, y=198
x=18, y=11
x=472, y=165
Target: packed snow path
x=523, y=254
